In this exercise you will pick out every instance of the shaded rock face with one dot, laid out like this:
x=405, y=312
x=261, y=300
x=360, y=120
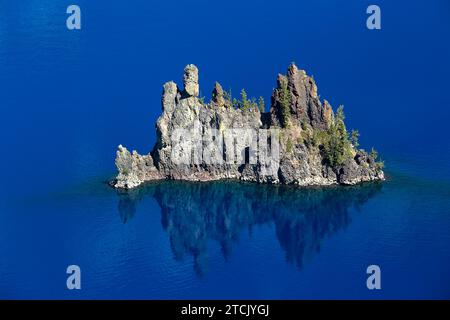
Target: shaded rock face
x=199, y=141
x=305, y=105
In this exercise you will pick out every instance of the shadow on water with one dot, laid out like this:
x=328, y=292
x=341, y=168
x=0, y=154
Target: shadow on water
x=195, y=213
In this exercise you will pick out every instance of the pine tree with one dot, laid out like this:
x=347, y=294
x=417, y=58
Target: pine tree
x=261, y=105
x=374, y=153
x=337, y=148
x=245, y=103
x=355, y=138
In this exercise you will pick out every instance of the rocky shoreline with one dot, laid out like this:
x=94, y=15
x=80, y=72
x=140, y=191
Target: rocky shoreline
x=300, y=141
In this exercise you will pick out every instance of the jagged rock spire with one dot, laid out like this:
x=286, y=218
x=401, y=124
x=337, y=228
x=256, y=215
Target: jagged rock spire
x=190, y=80
x=217, y=95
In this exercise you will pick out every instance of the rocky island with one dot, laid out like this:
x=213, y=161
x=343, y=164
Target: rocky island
x=300, y=141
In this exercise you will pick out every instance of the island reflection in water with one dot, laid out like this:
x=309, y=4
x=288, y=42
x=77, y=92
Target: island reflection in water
x=195, y=213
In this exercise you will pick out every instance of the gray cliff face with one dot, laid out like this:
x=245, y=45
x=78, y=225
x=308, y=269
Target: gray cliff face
x=199, y=141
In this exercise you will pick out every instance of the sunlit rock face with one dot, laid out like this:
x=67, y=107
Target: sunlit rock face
x=230, y=139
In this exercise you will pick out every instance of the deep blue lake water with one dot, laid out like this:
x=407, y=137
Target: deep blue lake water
x=68, y=98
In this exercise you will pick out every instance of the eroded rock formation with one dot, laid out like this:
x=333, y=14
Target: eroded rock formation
x=200, y=141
